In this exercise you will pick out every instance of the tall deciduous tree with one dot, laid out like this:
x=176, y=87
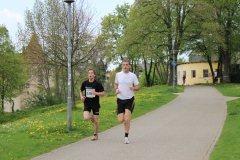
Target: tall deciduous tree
x=171, y=27
x=204, y=37
x=13, y=75
x=48, y=20
x=113, y=26
x=228, y=16
x=164, y=23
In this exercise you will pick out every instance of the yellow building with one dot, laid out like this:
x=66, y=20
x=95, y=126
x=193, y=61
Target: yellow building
x=195, y=72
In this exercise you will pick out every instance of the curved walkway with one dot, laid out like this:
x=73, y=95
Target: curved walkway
x=184, y=129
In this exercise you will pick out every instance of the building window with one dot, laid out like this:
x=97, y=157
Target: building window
x=193, y=74
x=205, y=73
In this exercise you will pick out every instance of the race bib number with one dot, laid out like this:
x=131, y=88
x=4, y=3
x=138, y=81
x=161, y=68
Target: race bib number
x=89, y=93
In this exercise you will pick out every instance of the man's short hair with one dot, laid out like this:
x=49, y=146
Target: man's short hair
x=91, y=70
x=125, y=60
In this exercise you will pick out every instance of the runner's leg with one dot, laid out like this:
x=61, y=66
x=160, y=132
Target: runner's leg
x=121, y=117
x=96, y=124
x=86, y=115
x=127, y=118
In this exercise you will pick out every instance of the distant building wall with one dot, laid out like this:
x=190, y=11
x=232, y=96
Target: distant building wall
x=19, y=103
x=196, y=72
x=8, y=105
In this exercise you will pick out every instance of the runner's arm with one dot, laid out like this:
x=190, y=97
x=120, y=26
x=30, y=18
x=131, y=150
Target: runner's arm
x=137, y=87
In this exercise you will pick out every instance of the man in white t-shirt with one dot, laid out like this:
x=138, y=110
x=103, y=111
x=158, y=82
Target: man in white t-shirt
x=125, y=84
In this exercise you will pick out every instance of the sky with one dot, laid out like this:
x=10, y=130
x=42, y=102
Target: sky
x=12, y=11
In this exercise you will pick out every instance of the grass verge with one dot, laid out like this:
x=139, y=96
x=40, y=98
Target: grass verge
x=228, y=144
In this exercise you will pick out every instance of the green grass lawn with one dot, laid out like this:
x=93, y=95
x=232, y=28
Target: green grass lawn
x=36, y=131
x=228, y=145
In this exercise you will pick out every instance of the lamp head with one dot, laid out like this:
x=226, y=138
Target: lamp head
x=69, y=1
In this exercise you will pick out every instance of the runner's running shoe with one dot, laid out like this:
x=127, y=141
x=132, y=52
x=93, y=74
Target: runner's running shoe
x=95, y=137
x=126, y=140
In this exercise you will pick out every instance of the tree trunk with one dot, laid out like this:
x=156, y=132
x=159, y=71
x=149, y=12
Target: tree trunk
x=154, y=72
x=227, y=67
x=64, y=83
x=57, y=83
x=211, y=67
x=2, y=101
x=12, y=106
x=147, y=73
x=219, y=69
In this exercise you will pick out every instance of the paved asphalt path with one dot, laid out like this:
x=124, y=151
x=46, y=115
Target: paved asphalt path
x=187, y=128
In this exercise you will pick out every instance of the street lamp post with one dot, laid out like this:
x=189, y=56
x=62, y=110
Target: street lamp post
x=173, y=70
x=174, y=63
x=69, y=113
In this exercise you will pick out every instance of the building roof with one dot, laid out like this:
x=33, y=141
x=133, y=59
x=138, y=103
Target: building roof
x=195, y=62
x=198, y=59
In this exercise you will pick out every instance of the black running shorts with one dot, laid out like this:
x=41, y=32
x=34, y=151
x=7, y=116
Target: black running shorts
x=95, y=110
x=125, y=104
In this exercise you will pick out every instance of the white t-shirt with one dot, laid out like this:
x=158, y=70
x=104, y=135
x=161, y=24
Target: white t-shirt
x=124, y=81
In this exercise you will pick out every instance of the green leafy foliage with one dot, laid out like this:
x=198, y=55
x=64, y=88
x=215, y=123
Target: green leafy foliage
x=38, y=99
x=155, y=81
x=113, y=26
x=13, y=74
